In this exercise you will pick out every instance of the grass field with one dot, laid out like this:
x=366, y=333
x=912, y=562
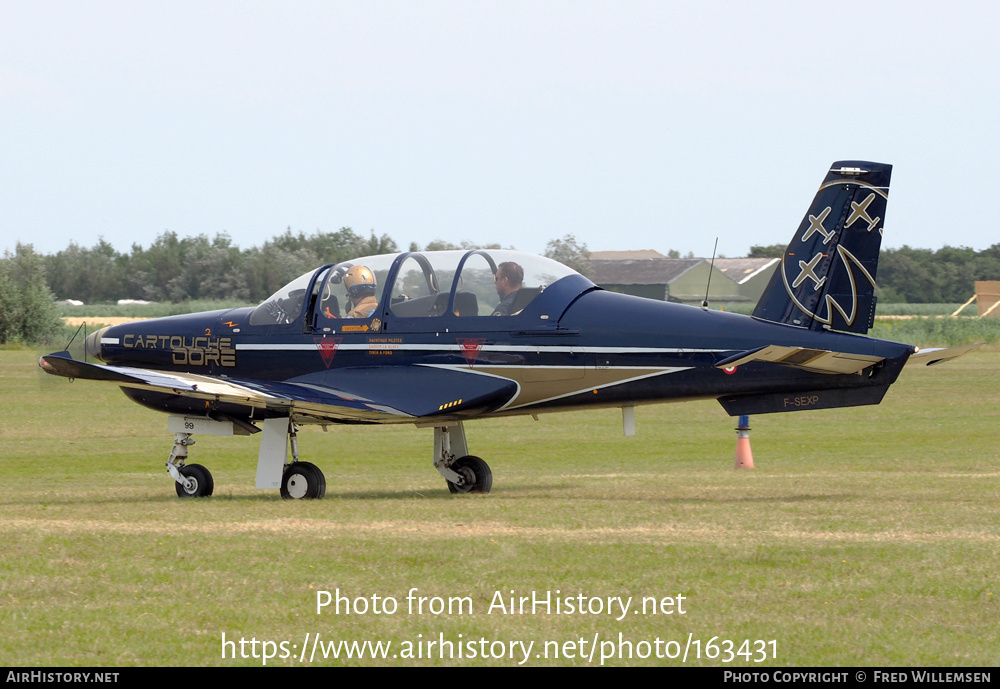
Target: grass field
x=865, y=536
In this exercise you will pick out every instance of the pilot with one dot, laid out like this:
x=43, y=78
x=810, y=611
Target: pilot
x=360, y=284
x=509, y=277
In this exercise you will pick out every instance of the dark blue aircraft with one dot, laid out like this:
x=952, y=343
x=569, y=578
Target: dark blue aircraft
x=438, y=338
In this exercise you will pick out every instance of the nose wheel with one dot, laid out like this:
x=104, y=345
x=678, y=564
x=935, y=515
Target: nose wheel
x=190, y=480
x=198, y=482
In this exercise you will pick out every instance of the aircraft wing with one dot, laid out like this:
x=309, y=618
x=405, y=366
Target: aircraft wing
x=376, y=394
x=816, y=360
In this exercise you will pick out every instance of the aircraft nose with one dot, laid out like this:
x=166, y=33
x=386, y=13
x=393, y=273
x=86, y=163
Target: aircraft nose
x=92, y=345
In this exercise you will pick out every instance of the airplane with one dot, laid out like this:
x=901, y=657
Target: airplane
x=439, y=338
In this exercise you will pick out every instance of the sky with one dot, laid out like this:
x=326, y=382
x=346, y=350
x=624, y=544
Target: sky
x=629, y=125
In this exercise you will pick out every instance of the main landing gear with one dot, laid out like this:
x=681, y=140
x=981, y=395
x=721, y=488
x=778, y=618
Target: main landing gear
x=301, y=480
x=464, y=473
x=295, y=480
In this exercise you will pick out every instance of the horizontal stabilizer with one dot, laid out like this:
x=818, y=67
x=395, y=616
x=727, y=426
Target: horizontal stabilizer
x=815, y=360
x=929, y=357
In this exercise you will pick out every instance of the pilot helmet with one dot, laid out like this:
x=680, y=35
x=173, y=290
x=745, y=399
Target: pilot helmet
x=359, y=282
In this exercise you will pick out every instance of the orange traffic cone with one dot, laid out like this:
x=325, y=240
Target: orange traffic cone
x=744, y=457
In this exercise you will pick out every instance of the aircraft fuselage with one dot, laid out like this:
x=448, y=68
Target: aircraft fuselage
x=574, y=346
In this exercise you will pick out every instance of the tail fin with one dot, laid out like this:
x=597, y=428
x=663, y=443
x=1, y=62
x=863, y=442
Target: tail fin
x=826, y=279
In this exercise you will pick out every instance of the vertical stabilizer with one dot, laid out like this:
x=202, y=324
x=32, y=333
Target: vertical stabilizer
x=826, y=279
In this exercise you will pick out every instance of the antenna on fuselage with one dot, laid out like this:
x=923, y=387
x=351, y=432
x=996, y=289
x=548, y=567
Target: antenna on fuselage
x=711, y=269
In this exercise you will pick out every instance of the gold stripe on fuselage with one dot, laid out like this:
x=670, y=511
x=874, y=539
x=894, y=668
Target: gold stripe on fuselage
x=537, y=384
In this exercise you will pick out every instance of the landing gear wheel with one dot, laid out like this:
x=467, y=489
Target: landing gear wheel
x=201, y=480
x=477, y=474
x=303, y=480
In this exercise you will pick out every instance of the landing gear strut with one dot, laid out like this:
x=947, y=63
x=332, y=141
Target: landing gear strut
x=464, y=473
x=301, y=480
x=190, y=480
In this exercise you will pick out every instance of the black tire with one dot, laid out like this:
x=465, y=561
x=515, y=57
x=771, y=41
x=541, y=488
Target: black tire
x=204, y=484
x=478, y=477
x=303, y=481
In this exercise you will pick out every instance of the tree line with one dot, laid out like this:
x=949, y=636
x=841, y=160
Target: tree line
x=179, y=269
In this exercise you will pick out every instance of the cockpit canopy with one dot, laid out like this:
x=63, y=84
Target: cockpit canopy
x=415, y=285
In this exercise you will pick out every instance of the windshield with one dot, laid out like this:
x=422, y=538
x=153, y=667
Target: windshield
x=285, y=305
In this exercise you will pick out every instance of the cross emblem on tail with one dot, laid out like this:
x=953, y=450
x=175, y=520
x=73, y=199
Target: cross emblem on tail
x=859, y=211
x=816, y=225
x=808, y=270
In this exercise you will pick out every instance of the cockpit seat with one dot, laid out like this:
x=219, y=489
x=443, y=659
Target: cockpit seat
x=523, y=298
x=466, y=304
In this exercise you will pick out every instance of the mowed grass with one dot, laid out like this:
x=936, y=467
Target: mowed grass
x=866, y=536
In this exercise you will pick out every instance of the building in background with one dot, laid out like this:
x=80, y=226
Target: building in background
x=652, y=275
